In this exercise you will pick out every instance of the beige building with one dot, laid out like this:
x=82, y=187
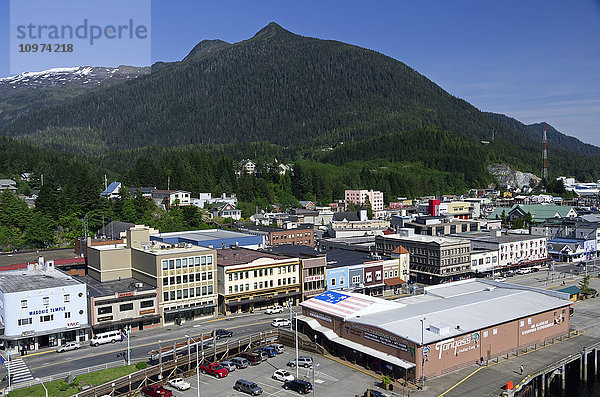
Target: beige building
x=184, y=274
x=251, y=279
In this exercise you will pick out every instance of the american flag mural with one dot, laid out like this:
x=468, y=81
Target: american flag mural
x=336, y=304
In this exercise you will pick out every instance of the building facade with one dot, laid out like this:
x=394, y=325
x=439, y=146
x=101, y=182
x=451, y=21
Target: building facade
x=359, y=197
x=303, y=234
x=433, y=260
x=42, y=307
x=250, y=280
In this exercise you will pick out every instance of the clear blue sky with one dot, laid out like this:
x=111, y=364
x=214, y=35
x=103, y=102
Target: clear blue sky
x=532, y=60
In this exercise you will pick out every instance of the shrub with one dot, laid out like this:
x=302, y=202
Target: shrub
x=141, y=365
x=62, y=386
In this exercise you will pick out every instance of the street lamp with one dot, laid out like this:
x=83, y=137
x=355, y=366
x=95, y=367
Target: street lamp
x=42, y=383
x=197, y=365
x=128, y=332
x=314, y=386
x=423, y=352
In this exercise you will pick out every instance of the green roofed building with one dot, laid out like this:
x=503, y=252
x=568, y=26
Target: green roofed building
x=539, y=212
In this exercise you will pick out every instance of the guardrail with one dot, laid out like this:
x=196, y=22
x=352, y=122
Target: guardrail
x=64, y=375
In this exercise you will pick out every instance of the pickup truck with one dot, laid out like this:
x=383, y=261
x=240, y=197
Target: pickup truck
x=215, y=369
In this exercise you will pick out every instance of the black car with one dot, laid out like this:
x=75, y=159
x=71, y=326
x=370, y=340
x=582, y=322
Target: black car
x=374, y=393
x=298, y=385
x=222, y=333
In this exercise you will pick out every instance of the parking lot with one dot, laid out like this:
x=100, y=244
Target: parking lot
x=331, y=379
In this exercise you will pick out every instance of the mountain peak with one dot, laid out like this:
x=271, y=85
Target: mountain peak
x=272, y=30
x=206, y=46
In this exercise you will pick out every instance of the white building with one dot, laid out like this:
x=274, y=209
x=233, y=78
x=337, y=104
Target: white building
x=206, y=199
x=359, y=197
x=484, y=260
x=513, y=249
x=42, y=307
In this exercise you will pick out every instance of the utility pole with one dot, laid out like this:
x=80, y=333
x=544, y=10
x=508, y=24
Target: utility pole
x=423, y=352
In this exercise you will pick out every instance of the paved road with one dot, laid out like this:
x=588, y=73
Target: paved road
x=49, y=362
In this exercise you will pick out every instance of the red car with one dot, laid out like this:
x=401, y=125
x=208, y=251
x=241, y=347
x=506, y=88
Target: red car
x=156, y=391
x=215, y=369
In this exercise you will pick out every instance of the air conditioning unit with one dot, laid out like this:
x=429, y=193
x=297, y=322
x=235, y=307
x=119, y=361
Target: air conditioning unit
x=139, y=285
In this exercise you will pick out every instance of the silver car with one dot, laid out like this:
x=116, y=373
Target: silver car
x=229, y=365
x=68, y=346
x=240, y=362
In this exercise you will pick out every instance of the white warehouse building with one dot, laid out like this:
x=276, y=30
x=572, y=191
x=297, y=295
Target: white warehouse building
x=42, y=307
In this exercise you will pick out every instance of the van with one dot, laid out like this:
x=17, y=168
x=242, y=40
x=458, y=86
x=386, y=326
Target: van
x=253, y=358
x=247, y=387
x=105, y=337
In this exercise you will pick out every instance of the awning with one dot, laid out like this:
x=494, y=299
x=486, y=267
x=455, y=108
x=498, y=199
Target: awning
x=390, y=282
x=374, y=353
x=125, y=321
x=333, y=337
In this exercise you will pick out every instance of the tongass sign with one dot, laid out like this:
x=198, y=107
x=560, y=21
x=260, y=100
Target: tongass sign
x=466, y=343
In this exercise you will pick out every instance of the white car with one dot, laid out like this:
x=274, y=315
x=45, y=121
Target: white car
x=179, y=384
x=282, y=375
x=69, y=346
x=501, y=279
x=274, y=310
x=280, y=322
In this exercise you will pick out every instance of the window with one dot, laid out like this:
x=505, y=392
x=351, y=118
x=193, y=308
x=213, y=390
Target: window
x=203, y=260
x=271, y=283
x=333, y=282
x=485, y=334
x=247, y=287
x=204, y=290
x=197, y=291
x=171, y=264
x=495, y=331
x=235, y=289
x=67, y=298
x=178, y=279
x=342, y=280
x=148, y=303
x=165, y=264
x=210, y=289
x=198, y=276
x=125, y=307
x=178, y=263
x=172, y=295
x=191, y=292
x=46, y=318
x=210, y=277
x=46, y=301
x=179, y=294
x=197, y=260
x=24, y=304
x=185, y=278
x=230, y=289
x=230, y=278
x=25, y=321
x=209, y=260
x=67, y=315
x=369, y=277
x=260, y=285
x=185, y=293
x=355, y=279
x=184, y=263
x=165, y=296
x=104, y=310
x=255, y=285
x=165, y=281
x=172, y=280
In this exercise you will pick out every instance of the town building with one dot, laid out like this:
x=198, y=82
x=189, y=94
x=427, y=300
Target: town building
x=360, y=197
x=206, y=200
x=433, y=260
x=183, y=274
x=441, y=225
x=515, y=250
x=210, y=238
x=539, y=212
x=449, y=327
x=312, y=265
x=116, y=304
x=303, y=234
x=356, y=223
x=363, y=243
x=484, y=261
x=8, y=184
x=41, y=306
x=226, y=210
x=146, y=192
x=250, y=280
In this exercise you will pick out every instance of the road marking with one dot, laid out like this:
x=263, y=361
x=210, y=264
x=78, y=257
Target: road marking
x=138, y=346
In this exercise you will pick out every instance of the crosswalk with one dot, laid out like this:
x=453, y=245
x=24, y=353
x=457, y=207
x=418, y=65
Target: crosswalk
x=19, y=371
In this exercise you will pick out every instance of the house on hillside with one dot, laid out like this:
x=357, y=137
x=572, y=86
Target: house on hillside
x=167, y=198
x=226, y=210
x=112, y=191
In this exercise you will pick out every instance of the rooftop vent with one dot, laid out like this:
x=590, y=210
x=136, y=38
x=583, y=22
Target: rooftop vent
x=139, y=285
x=439, y=328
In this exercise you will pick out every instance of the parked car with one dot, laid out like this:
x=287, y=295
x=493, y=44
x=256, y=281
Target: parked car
x=240, y=362
x=253, y=358
x=301, y=386
x=280, y=322
x=247, y=387
x=222, y=333
x=303, y=361
x=277, y=346
x=270, y=351
x=261, y=353
x=282, y=375
x=274, y=310
x=214, y=369
x=156, y=391
x=229, y=365
x=105, y=337
x=69, y=346
x=523, y=270
x=501, y=279
x=179, y=384
x=374, y=393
